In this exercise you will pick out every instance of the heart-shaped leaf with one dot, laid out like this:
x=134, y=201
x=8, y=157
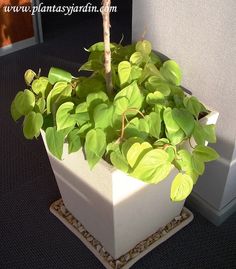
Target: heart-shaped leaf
x=128, y=143
x=155, y=98
x=119, y=161
x=153, y=167
x=124, y=70
x=206, y=154
x=40, y=105
x=158, y=84
x=181, y=187
x=82, y=115
x=128, y=98
x=96, y=98
x=32, y=124
x=40, y=85
x=136, y=152
x=136, y=58
x=171, y=124
x=171, y=72
x=137, y=128
x=193, y=105
x=198, y=164
x=184, y=119
x=74, y=142
x=29, y=76
x=154, y=121
x=55, y=141
x=56, y=75
x=60, y=92
x=144, y=46
x=95, y=146
x=64, y=118
x=14, y=112
x=24, y=102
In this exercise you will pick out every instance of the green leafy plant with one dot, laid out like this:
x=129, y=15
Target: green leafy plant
x=143, y=127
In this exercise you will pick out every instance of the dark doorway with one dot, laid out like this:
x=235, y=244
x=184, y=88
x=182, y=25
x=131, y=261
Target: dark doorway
x=81, y=29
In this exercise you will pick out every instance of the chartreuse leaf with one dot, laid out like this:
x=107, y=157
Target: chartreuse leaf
x=153, y=167
x=128, y=143
x=156, y=83
x=184, y=163
x=66, y=131
x=144, y=46
x=171, y=124
x=14, y=112
x=136, y=58
x=124, y=70
x=171, y=72
x=84, y=129
x=173, y=131
x=198, y=134
x=181, y=187
x=119, y=161
x=90, y=85
x=155, y=59
x=135, y=73
x=64, y=118
x=74, y=142
x=209, y=133
x=154, y=121
x=198, y=164
x=40, y=85
x=204, y=133
x=82, y=113
x=32, y=124
x=29, y=76
x=91, y=65
x=184, y=160
x=96, y=56
x=155, y=98
x=60, y=92
x=176, y=137
x=193, y=105
x=149, y=70
x=136, y=152
x=40, y=105
x=95, y=146
x=102, y=116
x=171, y=150
x=184, y=119
x=137, y=128
x=55, y=141
x=129, y=97
x=112, y=146
x=96, y=98
x=24, y=102
x=56, y=74
x=161, y=142
x=204, y=153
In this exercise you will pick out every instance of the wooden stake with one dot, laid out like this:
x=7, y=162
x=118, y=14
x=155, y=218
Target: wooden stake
x=107, y=51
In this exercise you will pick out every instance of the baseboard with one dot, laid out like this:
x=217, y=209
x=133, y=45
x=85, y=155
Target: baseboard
x=17, y=46
x=217, y=217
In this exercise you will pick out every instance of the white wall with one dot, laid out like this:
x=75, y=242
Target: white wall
x=201, y=36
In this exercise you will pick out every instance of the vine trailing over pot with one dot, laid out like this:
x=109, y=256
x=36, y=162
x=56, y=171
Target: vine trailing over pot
x=132, y=112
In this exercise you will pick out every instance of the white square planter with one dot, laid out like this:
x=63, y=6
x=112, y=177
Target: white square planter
x=118, y=210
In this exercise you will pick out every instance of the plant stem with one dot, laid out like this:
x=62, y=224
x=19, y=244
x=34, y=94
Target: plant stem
x=107, y=49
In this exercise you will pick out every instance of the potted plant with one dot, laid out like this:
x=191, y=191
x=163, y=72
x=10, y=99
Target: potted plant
x=113, y=135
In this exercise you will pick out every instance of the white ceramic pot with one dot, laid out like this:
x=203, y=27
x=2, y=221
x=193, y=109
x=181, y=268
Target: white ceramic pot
x=117, y=209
